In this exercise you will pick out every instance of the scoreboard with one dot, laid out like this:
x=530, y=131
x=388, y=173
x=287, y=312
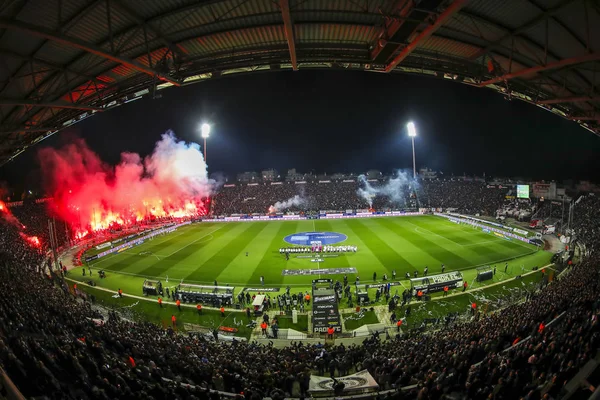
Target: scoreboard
x=522, y=191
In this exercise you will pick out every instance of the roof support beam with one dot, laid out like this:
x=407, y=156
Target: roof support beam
x=572, y=99
x=25, y=130
x=289, y=31
x=540, y=68
x=426, y=33
x=591, y=117
x=139, y=20
x=403, y=9
x=42, y=32
x=54, y=104
x=523, y=28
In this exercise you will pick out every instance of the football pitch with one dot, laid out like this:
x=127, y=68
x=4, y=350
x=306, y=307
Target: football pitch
x=239, y=253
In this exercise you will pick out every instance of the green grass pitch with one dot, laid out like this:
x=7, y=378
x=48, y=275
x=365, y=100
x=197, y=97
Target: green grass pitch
x=207, y=251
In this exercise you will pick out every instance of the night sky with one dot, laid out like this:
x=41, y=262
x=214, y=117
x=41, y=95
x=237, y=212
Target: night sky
x=334, y=121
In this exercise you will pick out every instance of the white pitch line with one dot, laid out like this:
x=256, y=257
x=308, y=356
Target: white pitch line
x=104, y=259
x=189, y=244
x=318, y=262
x=479, y=243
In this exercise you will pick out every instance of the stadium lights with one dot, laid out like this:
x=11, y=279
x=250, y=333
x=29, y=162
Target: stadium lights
x=205, y=133
x=412, y=132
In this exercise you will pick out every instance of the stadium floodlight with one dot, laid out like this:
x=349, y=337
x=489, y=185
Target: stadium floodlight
x=205, y=130
x=412, y=132
x=205, y=133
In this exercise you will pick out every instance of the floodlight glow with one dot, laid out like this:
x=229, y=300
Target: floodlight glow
x=205, y=129
x=412, y=131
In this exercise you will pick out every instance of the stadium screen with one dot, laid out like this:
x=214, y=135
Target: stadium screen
x=523, y=191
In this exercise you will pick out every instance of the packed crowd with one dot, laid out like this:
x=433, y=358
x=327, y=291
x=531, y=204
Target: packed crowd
x=520, y=209
x=552, y=212
x=34, y=218
x=586, y=221
x=470, y=197
x=312, y=196
x=465, y=196
x=55, y=345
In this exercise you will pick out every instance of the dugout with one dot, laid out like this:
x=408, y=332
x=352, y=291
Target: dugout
x=436, y=283
x=213, y=295
x=322, y=284
x=153, y=288
x=484, y=273
x=362, y=295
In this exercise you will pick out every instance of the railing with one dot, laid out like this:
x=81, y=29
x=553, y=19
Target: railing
x=8, y=389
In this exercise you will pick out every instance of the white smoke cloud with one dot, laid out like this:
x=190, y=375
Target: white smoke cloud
x=173, y=181
x=284, y=205
x=395, y=189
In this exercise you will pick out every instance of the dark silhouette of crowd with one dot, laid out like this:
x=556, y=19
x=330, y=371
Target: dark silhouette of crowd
x=586, y=221
x=472, y=197
x=469, y=197
x=56, y=345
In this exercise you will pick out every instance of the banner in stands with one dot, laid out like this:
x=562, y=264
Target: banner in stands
x=360, y=382
x=546, y=190
x=325, y=311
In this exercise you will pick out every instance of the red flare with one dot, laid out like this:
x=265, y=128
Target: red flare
x=91, y=195
x=33, y=241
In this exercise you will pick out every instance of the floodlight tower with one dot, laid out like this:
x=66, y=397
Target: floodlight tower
x=205, y=133
x=412, y=132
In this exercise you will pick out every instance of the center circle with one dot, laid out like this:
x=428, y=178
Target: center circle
x=309, y=238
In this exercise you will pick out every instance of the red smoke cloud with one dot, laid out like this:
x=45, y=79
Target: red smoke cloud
x=92, y=195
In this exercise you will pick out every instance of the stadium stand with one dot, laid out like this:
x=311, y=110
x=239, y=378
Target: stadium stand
x=472, y=197
x=55, y=345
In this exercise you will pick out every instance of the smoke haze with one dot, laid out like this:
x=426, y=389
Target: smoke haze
x=90, y=194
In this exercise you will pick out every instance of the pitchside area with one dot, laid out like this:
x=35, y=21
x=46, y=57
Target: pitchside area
x=238, y=254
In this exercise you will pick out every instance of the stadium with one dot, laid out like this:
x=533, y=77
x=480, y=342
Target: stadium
x=169, y=273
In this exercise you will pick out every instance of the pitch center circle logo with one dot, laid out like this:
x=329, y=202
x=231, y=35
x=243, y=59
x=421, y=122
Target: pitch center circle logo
x=307, y=238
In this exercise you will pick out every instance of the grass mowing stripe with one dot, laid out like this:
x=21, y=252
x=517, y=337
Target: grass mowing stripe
x=389, y=258
x=272, y=263
x=162, y=267
x=176, y=241
x=413, y=255
x=446, y=233
x=517, y=244
x=424, y=231
x=218, y=262
x=243, y=266
x=482, y=245
x=438, y=252
x=454, y=233
x=125, y=259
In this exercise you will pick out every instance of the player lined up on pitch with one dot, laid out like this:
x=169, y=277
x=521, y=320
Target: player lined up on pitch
x=319, y=249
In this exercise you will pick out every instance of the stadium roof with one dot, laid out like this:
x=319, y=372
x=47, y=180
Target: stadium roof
x=62, y=61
